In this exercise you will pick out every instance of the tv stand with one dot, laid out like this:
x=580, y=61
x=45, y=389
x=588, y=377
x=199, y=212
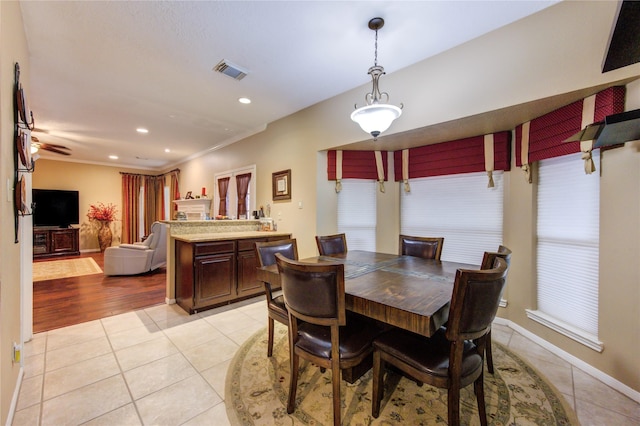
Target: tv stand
x=51, y=241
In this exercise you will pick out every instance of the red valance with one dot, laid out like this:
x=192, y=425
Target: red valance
x=356, y=165
x=455, y=157
x=547, y=133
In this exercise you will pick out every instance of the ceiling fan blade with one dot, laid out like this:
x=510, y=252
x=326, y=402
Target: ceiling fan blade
x=34, y=139
x=52, y=145
x=56, y=150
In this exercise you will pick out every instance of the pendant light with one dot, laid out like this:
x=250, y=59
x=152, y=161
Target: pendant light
x=376, y=117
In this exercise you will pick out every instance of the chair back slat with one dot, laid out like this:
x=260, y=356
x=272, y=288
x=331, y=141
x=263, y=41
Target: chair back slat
x=266, y=251
x=475, y=301
x=313, y=290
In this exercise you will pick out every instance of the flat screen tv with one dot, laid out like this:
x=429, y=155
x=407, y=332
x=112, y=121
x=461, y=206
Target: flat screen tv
x=54, y=207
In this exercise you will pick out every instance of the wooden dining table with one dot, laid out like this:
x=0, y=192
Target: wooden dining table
x=408, y=292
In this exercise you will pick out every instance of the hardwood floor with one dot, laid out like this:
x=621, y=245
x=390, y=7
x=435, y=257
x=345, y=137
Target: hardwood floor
x=68, y=301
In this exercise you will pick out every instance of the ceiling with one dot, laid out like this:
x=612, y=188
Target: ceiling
x=99, y=70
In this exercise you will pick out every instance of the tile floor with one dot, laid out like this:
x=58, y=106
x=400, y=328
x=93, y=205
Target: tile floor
x=160, y=366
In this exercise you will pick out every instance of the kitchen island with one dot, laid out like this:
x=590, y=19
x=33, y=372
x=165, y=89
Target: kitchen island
x=212, y=263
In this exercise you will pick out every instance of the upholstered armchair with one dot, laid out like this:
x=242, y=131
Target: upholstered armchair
x=139, y=257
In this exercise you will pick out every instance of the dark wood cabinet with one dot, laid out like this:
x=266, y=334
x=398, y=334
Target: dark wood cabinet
x=248, y=284
x=55, y=242
x=215, y=276
x=213, y=273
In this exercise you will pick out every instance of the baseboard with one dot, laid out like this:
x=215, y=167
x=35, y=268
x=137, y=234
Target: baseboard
x=576, y=362
x=89, y=251
x=169, y=301
x=14, y=398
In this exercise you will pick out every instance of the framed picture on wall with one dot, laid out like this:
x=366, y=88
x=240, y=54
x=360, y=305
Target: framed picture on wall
x=281, y=184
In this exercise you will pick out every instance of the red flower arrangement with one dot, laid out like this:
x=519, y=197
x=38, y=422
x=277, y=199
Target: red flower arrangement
x=102, y=212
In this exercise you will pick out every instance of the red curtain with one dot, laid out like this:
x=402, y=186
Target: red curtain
x=356, y=165
x=174, y=191
x=242, y=183
x=130, y=207
x=223, y=187
x=153, y=201
x=455, y=157
x=547, y=132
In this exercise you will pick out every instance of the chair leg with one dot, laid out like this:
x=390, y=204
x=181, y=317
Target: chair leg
x=335, y=379
x=378, y=384
x=454, y=404
x=488, y=353
x=478, y=387
x=270, y=339
x=293, y=382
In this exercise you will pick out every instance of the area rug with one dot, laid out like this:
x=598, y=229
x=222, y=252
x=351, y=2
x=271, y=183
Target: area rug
x=257, y=388
x=67, y=268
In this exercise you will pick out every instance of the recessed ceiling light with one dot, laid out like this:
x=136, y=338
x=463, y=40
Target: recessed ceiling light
x=244, y=100
x=167, y=150
x=142, y=130
x=113, y=157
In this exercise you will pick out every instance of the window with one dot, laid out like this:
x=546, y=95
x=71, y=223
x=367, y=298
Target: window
x=357, y=213
x=567, y=248
x=232, y=192
x=459, y=208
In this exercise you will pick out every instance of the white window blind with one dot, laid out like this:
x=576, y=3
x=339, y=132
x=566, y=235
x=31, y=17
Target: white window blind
x=459, y=208
x=357, y=213
x=568, y=243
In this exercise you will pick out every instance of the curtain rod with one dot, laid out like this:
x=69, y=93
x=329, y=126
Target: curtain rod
x=139, y=174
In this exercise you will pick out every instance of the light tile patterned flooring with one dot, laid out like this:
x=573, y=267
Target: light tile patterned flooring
x=160, y=366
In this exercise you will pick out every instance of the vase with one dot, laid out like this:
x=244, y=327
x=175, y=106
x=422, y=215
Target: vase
x=104, y=235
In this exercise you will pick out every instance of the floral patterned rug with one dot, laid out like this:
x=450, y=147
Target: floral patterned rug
x=257, y=388
x=56, y=269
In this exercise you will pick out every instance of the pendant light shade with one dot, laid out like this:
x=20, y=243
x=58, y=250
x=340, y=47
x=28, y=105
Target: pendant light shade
x=376, y=117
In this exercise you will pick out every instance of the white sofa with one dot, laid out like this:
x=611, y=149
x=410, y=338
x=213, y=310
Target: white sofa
x=140, y=257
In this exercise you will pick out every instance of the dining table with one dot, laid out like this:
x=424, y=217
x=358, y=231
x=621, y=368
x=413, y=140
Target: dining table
x=404, y=291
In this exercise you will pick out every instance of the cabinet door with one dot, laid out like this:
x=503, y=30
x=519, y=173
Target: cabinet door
x=215, y=279
x=65, y=240
x=40, y=242
x=247, y=282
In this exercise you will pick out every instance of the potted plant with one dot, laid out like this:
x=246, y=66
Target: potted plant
x=103, y=214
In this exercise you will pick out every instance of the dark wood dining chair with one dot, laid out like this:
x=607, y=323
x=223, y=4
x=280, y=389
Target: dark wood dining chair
x=487, y=263
x=276, y=309
x=320, y=329
x=453, y=357
x=424, y=247
x=331, y=244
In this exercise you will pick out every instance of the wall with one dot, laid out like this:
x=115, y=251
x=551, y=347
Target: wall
x=97, y=184
x=13, y=48
x=457, y=83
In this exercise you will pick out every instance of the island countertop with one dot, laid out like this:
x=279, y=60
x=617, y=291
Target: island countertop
x=221, y=236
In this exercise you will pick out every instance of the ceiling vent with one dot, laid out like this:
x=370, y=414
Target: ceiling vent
x=232, y=70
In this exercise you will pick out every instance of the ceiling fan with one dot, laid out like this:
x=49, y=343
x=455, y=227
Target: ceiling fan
x=58, y=149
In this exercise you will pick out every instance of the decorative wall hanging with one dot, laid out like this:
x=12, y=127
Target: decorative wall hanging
x=281, y=185
x=22, y=160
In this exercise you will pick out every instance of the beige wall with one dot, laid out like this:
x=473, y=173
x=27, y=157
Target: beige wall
x=95, y=183
x=13, y=48
x=457, y=83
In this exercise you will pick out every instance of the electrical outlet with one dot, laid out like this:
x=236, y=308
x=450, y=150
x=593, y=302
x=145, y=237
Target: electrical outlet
x=299, y=204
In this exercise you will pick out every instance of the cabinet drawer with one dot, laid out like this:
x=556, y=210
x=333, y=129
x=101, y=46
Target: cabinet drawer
x=215, y=247
x=249, y=244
